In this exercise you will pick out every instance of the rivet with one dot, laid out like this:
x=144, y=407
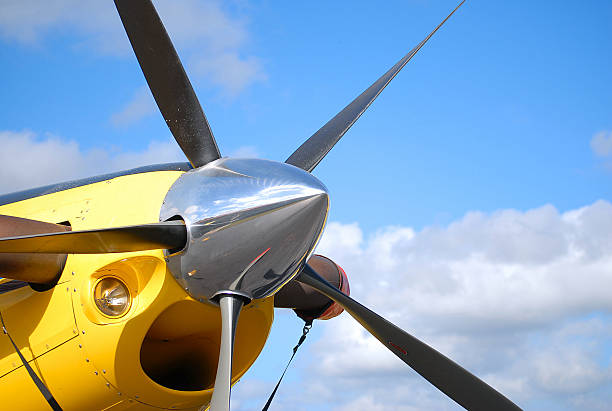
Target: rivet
x=136, y=396
x=96, y=372
x=118, y=393
x=103, y=371
x=86, y=359
x=73, y=273
x=67, y=288
x=83, y=331
x=108, y=384
x=80, y=346
x=75, y=290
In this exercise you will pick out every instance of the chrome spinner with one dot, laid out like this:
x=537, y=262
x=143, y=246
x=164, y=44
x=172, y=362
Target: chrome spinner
x=251, y=225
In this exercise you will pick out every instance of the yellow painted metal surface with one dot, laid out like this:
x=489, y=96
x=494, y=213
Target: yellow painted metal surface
x=19, y=392
x=90, y=361
x=28, y=316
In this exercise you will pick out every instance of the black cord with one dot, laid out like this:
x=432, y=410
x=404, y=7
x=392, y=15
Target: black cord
x=39, y=384
x=305, y=330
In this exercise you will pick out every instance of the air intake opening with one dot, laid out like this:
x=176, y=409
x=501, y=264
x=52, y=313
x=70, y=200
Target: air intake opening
x=181, y=349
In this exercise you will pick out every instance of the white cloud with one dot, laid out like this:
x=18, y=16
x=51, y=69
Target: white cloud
x=211, y=42
x=244, y=152
x=601, y=144
x=248, y=393
x=31, y=160
x=28, y=160
x=30, y=21
x=367, y=402
x=230, y=70
x=522, y=299
x=141, y=105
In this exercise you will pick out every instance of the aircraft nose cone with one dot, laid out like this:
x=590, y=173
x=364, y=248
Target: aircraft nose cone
x=251, y=223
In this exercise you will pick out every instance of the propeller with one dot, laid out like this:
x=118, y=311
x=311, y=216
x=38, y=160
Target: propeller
x=164, y=235
x=453, y=380
x=168, y=81
x=187, y=122
x=313, y=150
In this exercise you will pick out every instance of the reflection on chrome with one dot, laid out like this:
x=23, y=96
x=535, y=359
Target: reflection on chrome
x=251, y=224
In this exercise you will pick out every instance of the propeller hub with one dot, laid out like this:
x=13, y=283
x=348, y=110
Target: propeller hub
x=251, y=224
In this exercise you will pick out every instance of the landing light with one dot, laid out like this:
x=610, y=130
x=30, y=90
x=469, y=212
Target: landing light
x=112, y=297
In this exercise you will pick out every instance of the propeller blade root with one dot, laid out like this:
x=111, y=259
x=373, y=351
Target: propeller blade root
x=230, y=311
x=163, y=235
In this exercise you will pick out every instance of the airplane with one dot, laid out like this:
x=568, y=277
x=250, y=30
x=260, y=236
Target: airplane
x=155, y=288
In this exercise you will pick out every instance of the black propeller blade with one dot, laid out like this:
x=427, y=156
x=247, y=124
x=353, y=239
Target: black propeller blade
x=459, y=384
x=164, y=235
x=313, y=150
x=167, y=80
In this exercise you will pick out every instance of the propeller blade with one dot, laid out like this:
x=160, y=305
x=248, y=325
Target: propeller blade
x=459, y=384
x=168, y=81
x=313, y=150
x=166, y=235
x=39, y=268
x=230, y=311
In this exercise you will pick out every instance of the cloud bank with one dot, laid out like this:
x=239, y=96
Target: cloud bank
x=520, y=298
x=30, y=160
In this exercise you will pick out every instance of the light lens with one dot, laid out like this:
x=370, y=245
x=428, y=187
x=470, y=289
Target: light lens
x=112, y=297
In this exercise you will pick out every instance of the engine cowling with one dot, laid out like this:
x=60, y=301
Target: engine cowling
x=308, y=303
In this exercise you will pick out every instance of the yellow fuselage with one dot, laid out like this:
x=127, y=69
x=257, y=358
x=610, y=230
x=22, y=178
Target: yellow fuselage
x=161, y=354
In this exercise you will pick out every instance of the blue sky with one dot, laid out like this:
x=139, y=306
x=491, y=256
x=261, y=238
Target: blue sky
x=502, y=125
